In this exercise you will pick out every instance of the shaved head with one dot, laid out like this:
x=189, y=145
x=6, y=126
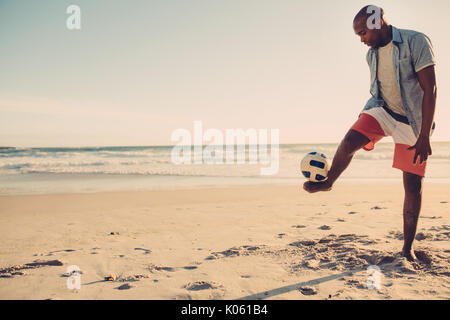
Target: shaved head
x=368, y=13
x=372, y=27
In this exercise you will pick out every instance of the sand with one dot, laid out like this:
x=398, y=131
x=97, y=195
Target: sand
x=261, y=242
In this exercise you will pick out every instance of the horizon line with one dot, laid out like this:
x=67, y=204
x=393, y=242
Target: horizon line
x=167, y=146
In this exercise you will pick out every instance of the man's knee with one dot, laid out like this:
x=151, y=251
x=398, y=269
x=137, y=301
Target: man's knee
x=412, y=183
x=354, y=141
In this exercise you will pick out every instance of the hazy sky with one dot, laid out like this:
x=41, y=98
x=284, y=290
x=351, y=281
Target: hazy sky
x=137, y=70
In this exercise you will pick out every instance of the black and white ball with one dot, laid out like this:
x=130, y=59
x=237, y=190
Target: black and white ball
x=315, y=167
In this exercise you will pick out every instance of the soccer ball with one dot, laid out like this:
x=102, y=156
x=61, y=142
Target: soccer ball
x=315, y=167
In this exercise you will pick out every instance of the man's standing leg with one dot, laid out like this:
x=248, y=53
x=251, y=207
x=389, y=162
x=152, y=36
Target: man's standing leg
x=411, y=210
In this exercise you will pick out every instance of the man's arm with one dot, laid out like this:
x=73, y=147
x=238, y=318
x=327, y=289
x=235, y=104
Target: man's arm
x=427, y=80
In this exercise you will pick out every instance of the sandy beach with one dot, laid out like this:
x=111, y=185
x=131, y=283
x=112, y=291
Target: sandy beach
x=261, y=242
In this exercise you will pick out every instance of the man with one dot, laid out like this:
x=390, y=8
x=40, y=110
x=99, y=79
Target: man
x=403, y=89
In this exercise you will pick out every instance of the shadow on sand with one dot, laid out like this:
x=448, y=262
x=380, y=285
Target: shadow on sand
x=297, y=286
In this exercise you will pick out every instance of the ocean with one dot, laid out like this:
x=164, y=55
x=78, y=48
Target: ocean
x=96, y=169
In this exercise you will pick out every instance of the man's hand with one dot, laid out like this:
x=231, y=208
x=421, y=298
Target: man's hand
x=423, y=149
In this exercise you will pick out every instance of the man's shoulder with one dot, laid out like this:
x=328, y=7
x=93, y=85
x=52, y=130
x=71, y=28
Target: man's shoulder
x=408, y=35
x=408, y=32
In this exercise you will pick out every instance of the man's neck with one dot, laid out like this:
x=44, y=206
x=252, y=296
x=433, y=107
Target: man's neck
x=386, y=35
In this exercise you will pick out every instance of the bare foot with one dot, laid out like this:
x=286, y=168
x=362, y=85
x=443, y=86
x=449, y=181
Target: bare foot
x=409, y=255
x=313, y=187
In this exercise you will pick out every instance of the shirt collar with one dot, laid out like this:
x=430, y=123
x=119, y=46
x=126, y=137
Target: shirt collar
x=396, y=36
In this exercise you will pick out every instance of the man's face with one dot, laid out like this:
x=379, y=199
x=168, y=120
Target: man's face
x=370, y=37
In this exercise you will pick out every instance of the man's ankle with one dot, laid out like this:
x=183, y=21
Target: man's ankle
x=407, y=249
x=329, y=183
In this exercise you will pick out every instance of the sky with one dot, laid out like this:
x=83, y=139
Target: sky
x=138, y=70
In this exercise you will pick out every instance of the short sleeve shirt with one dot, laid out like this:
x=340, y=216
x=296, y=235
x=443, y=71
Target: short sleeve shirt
x=412, y=52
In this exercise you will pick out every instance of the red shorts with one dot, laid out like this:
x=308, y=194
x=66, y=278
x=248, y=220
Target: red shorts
x=376, y=124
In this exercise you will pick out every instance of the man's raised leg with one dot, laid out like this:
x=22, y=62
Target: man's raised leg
x=411, y=210
x=352, y=142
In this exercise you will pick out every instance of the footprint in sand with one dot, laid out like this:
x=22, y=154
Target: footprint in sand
x=125, y=286
x=201, y=285
x=234, y=252
x=435, y=236
x=10, y=272
x=312, y=264
x=395, y=235
x=146, y=251
x=190, y=267
x=169, y=269
x=68, y=274
x=57, y=251
x=423, y=236
x=308, y=291
x=159, y=268
x=355, y=283
x=423, y=256
x=132, y=278
x=307, y=243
